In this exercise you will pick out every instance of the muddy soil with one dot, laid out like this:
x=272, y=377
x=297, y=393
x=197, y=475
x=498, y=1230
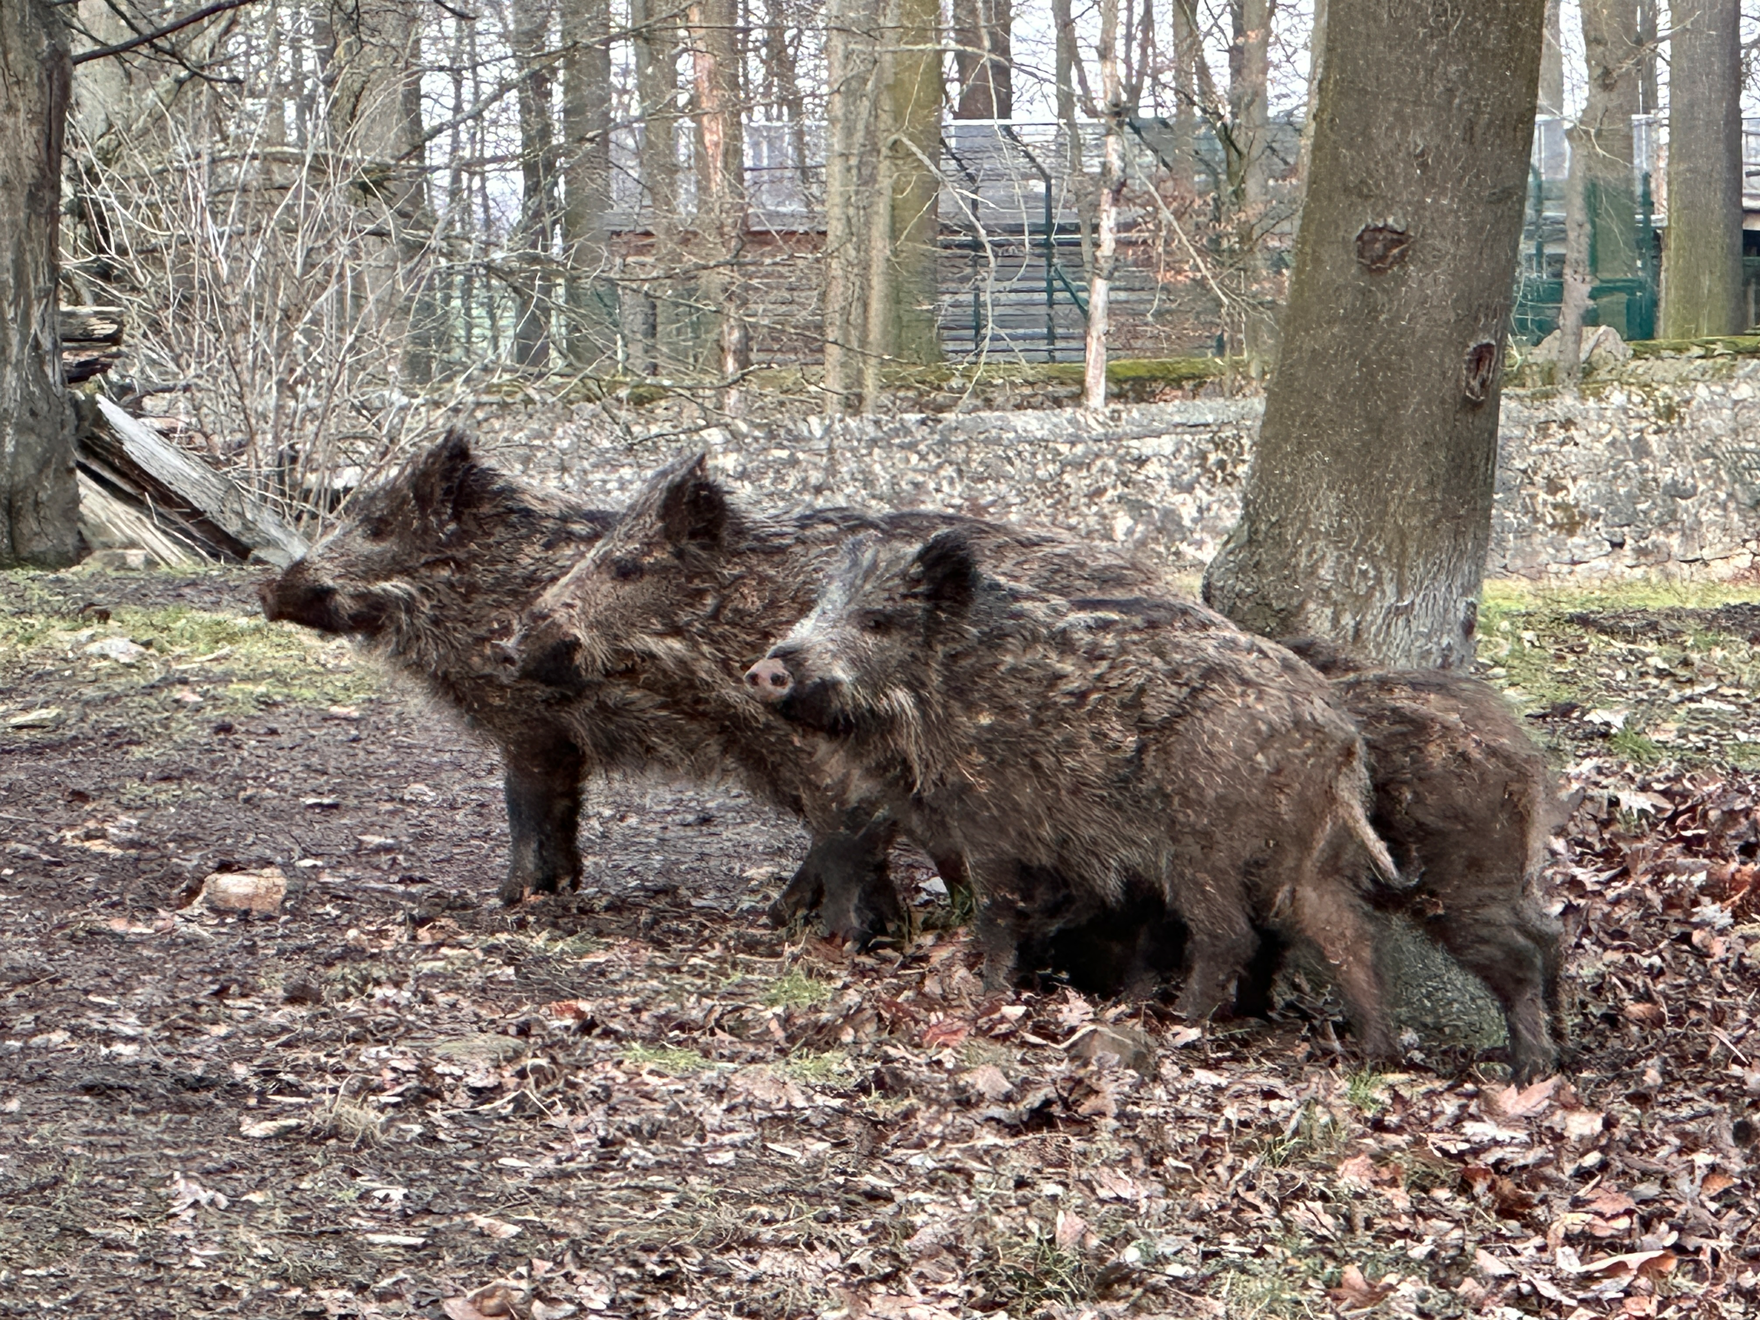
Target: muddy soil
x=389, y=1095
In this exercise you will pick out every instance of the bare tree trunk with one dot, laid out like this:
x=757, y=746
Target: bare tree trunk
x=39, y=502
x=721, y=195
x=881, y=190
x=1702, y=259
x=1068, y=62
x=913, y=146
x=1552, y=62
x=982, y=30
x=1185, y=94
x=1647, y=102
x=853, y=179
x=1577, y=277
x=370, y=55
x=586, y=182
x=1250, y=127
x=1316, y=66
x=1600, y=228
x=1111, y=185
x=535, y=290
x=656, y=50
x=1367, y=511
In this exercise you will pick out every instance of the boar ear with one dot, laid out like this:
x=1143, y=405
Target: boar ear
x=948, y=569
x=693, y=508
x=440, y=474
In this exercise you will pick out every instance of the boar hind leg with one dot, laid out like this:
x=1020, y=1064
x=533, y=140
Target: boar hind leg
x=845, y=877
x=1510, y=955
x=543, y=785
x=1340, y=925
x=1221, y=942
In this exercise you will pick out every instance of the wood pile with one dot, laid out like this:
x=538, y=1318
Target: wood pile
x=139, y=492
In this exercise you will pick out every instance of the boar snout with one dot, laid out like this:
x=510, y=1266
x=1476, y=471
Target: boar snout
x=296, y=601
x=770, y=680
x=548, y=661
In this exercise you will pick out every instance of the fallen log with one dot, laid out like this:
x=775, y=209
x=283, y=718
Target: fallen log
x=227, y=513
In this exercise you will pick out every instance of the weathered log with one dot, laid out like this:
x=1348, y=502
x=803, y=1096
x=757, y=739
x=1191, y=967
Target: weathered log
x=83, y=362
x=109, y=523
x=134, y=449
x=91, y=325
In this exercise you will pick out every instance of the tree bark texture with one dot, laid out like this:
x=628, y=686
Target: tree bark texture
x=1367, y=511
x=39, y=500
x=586, y=182
x=721, y=197
x=1106, y=212
x=1552, y=61
x=535, y=292
x=1249, y=190
x=982, y=30
x=1702, y=252
x=668, y=329
x=881, y=213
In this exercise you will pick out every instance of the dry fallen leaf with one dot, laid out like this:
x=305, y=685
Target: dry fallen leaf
x=1356, y=1293
x=1524, y=1103
x=1070, y=1228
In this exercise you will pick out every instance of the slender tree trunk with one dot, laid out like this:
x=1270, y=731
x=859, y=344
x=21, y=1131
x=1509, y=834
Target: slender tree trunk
x=1647, y=102
x=39, y=500
x=535, y=291
x=1367, y=511
x=982, y=31
x=586, y=182
x=656, y=52
x=1068, y=62
x=1185, y=95
x=913, y=146
x=853, y=179
x=721, y=195
x=1316, y=66
x=1600, y=208
x=1702, y=256
x=1111, y=185
x=1552, y=62
x=1574, y=302
x=1250, y=127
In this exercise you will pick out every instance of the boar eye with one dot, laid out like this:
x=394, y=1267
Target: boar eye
x=378, y=528
x=626, y=570
x=872, y=621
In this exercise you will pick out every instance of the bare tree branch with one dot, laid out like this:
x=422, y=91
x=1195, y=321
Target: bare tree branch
x=121, y=47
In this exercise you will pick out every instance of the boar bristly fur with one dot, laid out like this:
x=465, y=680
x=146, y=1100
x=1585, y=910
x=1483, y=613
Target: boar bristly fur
x=430, y=571
x=669, y=610
x=1070, y=750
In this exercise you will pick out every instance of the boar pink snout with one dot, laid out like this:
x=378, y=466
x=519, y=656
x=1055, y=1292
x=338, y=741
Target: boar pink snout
x=770, y=679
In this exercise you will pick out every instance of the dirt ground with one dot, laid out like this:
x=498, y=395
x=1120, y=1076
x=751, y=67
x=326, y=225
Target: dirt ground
x=389, y=1096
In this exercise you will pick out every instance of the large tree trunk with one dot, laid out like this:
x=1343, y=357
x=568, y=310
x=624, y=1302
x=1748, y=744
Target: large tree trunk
x=981, y=38
x=39, y=502
x=1702, y=259
x=1367, y=511
x=586, y=182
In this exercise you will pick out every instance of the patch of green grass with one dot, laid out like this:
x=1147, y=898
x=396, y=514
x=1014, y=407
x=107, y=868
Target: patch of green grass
x=795, y=989
x=1634, y=746
x=1317, y=1133
x=666, y=1059
x=821, y=1068
x=1363, y=1090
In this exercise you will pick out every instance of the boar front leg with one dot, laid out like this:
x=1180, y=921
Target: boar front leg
x=543, y=786
x=846, y=878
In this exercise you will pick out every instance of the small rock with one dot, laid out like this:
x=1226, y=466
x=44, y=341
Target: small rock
x=273, y=1127
x=245, y=891
x=1132, y=1048
x=114, y=559
x=46, y=718
x=119, y=649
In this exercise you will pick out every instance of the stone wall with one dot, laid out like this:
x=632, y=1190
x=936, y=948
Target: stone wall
x=1650, y=472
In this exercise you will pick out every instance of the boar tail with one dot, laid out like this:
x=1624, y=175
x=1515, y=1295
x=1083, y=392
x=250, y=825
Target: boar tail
x=1353, y=787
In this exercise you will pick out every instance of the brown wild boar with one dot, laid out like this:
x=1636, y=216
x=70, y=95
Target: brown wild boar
x=1466, y=804
x=431, y=570
x=661, y=617
x=1069, y=748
